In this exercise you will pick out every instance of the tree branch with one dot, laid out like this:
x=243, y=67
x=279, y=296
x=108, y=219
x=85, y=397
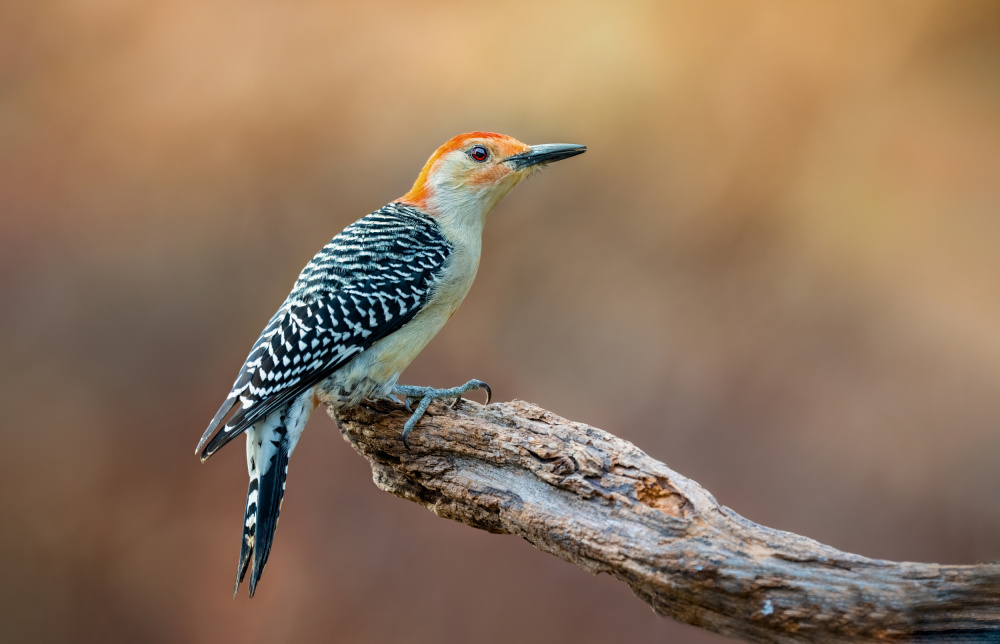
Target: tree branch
x=600, y=503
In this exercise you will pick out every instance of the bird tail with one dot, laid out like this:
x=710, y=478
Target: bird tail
x=267, y=458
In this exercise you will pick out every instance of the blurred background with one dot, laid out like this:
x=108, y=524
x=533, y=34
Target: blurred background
x=776, y=270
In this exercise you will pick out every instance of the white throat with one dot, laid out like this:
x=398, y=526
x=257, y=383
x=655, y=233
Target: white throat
x=462, y=209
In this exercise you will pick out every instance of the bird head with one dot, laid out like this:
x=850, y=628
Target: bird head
x=469, y=175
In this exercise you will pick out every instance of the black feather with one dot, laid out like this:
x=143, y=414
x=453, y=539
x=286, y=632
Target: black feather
x=249, y=533
x=272, y=490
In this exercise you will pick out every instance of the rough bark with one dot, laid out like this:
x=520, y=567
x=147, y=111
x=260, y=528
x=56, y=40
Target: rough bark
x=600, y=503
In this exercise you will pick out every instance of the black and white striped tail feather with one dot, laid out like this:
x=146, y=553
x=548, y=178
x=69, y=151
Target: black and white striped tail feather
x=240, y=420
x=264, y=497
x=235, y=406
x=207, y=438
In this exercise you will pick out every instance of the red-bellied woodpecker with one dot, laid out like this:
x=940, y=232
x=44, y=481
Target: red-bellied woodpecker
x=361, y=311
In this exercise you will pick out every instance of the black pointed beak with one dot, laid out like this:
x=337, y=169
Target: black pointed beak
x=546, y=153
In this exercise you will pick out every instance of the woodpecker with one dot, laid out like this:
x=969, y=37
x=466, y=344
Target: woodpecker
x=361, y=311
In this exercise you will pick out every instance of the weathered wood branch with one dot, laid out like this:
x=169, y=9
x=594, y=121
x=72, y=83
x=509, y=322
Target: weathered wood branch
x=599, y=502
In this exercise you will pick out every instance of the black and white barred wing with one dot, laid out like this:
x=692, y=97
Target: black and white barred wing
x=367, y=283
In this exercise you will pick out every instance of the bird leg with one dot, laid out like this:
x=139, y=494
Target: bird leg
x=426, y=395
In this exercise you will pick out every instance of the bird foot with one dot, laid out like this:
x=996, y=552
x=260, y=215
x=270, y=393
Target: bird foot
x=426, y=395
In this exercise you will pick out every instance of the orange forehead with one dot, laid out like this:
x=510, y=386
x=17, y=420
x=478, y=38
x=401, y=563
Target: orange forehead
x=501, y=145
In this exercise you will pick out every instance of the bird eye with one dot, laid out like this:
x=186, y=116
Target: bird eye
x=479, y=153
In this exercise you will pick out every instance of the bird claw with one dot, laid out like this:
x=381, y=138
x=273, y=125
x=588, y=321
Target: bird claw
x=425, y=395
x=480, y=385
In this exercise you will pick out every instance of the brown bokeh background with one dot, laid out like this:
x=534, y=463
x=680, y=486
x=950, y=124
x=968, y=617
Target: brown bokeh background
x=776, y=269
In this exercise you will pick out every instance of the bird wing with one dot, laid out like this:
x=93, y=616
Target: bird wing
x=365, y=284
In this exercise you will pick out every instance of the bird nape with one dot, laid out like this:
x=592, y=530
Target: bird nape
x=361, y=311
